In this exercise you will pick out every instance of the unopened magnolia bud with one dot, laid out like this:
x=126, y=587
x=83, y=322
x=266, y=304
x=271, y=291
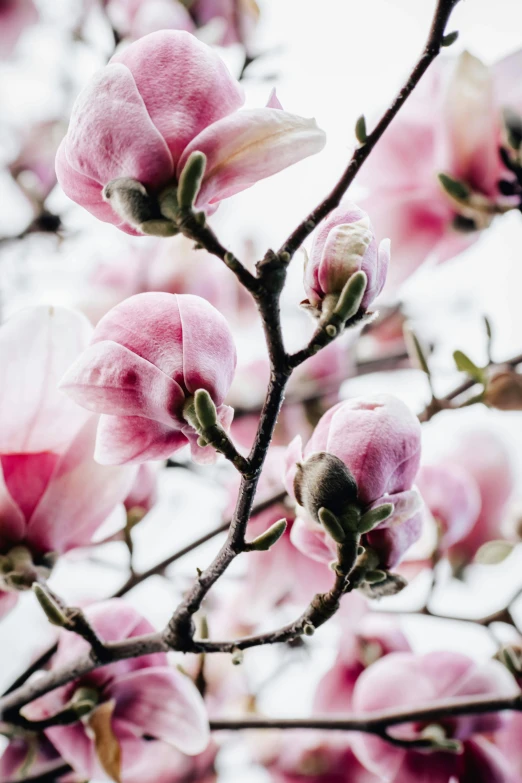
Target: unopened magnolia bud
x=84, y=700
x=237, y=657
x=190, y=179
x=351, y=296
x=360, y=130
x=332, y=525
x=270, y=537
x=438, y=740
x=504, y=391
x=205, y=409
x=130, y=200
x=374, y=517
x=454, y=187
x=450, y=38
x=324, y=481
x=52, y=610
x=392, y=585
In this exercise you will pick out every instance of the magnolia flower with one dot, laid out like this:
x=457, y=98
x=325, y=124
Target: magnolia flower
x=378, y=440
x=130, y=701
x=451, y=125
x=141, y=117
x=25, y=756
x=452, y=497
x=364, y=640
x=406, y=680
x=53, y=496
x=15, y=16
x=147, y=358
x=343, y=245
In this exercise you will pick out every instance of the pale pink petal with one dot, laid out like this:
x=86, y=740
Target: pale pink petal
x=149, y=325
x=393, y=537
x=108, y=378
x=315, y=543
x=127, y=439
x=155, y=15
x=76, y=748
x=452, y=497
x=209, y=353
x=37, y=345
x=273, y=101
x=294, y=454
x=111, y=134
x=15, y=16
x=79, y=497
x=506, y=73
x=250, y=145
x=7, y=602
x=163, y=703
x=183, y=83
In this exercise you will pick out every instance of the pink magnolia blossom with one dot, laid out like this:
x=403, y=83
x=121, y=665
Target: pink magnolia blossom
x=343, y=245
x=453, y=125
x=364, y=640
x=53, y=496
x=136, y=18
x=20, y=754
x=508, y=742
x=15, y=16
x=406, y=680
x=147, y=698
x=378, y=439
x=165, y=96
x=147, y=356
x=452, y=497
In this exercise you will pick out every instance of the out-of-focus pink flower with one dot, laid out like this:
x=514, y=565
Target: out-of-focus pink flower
x=238, y=19
x=452, y=497
x=145, y=697
x=364, y=640
x=508, y=742
x=37, y=757
x=378, y=439
x=343, y=245
x=147, y=356
x=407, y=680
x=453, y=125
x=15, y=16
x=136, y=18
x=33, y=167
x=53, y=495
x=144, y=492
x=164, y=97
x=312, y=757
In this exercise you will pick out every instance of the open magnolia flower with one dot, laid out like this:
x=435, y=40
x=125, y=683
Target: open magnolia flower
x=459, y=754
x=128, y=709
x=452, y=125
x=53, y=495
x=363, y=454
x=148, y=357
x=135, y=125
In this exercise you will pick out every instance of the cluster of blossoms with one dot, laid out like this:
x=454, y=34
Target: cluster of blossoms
x=162, y=120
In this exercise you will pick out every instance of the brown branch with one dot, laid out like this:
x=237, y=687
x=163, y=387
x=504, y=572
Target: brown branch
x=378, y=723
x=431, y=50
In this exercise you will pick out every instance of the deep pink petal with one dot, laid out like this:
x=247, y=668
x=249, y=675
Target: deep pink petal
x=184, y=85
x=108, y=378
x=79, y=497
x=485, y=763
x=12, y=521
x=26, y=477
x=128, y=439
x=37, y=345
x=165, y=704
x=250, y=145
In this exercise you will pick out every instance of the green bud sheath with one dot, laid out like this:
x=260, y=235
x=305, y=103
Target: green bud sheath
x=270, y=537
x=454, y=187
x=351, y=296
x=374, y=517
x=360, y=130
x=190, y=179
x=206, y=413
x=332, y=525
x=52, y=611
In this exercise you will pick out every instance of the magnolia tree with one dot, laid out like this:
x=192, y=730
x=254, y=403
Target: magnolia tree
x=328, y=503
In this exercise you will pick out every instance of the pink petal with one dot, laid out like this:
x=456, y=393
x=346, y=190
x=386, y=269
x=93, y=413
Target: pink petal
x=250, y=145
x=7, y=602
x=209, y=353
x=79, y=497
x=127, y=439
x=183, y=83
x=165, y=704
x=294, y=454
x=111, y=134
x=76, y=748
x=273, y=101
x=26, y=477
x=12, y=524
x=38, y=344
x=108, y=378
x=506, y=73
x=16, y=753
x=393, y=537
x=452, y=497
x=485, y=763
x=313, y=542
